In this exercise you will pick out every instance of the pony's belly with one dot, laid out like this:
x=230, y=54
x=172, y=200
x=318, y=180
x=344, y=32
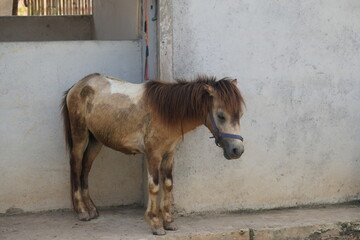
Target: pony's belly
x=128, y=149
x=130, y=144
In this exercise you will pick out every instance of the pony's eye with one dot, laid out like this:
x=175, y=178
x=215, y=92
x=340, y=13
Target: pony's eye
x=221, y=116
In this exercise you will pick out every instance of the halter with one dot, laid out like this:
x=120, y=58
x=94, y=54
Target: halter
x=217, y=134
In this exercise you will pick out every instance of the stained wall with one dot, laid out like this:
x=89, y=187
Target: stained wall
x=297, y=65
x=34, y=164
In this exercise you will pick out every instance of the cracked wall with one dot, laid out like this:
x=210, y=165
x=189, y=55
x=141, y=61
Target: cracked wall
x=297, y=65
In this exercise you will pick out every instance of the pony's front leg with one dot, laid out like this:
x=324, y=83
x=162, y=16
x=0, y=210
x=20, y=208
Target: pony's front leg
x=152, y=211
x=167, y=183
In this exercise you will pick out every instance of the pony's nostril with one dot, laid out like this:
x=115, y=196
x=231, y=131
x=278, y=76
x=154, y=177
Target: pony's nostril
x=236, y=151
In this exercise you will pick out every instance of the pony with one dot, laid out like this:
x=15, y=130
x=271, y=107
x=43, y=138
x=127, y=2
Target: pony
x=150, y=118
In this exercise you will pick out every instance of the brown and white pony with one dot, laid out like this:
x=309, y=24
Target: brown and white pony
x=149, y=118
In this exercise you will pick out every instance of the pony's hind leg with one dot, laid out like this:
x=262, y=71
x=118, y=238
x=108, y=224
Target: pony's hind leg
x=152, y=211
x=90, y=154
x=167, y=184
x=80, y=141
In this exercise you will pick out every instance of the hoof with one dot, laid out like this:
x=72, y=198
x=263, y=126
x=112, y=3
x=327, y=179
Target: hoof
x=171, y=226
x=158, y=231
x=94, y=214
x=84, y=216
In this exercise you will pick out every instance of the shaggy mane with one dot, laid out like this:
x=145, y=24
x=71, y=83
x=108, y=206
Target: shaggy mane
x=189, y=100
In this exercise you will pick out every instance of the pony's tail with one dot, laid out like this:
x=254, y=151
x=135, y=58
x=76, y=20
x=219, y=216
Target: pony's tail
x=65, y=115
x=68, y=139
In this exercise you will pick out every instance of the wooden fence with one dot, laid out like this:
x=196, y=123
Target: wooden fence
x=58, y=7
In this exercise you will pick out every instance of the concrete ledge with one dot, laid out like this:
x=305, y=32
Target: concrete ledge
x=46, y=28
x=331, y=222
x=345, y=231
x=239, y=235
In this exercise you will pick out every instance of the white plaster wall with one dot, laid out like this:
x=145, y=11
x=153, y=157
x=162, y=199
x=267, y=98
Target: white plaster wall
x=6, y=7
x=297, y=65
x=34, y=166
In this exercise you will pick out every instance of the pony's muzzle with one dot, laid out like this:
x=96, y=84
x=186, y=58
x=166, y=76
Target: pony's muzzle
x=233, y=149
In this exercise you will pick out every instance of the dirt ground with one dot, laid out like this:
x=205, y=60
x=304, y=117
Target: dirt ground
x=326, y=222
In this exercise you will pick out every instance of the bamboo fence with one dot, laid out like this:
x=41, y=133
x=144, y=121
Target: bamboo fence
x=58, y=7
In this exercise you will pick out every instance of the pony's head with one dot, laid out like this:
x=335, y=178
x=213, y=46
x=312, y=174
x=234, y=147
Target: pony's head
x=218, y=104
x=224, y=116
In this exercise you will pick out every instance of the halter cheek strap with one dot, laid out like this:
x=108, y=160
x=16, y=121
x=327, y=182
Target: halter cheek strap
x=217, y=134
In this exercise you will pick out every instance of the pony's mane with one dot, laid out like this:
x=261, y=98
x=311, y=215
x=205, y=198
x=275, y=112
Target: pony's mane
x=189, y=100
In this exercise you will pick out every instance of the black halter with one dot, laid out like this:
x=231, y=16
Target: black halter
x=217, y=134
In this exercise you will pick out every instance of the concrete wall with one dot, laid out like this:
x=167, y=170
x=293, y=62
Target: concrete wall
x=34, y=166
x=297, y=65
x=111, y=20
x=6, y=7
x=46, y=28
x=116, y=19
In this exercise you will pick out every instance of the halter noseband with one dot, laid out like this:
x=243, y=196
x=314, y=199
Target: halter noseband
x=217, y=134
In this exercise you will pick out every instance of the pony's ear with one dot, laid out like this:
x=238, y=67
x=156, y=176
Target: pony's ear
x=210, y=89
x=234, y=82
